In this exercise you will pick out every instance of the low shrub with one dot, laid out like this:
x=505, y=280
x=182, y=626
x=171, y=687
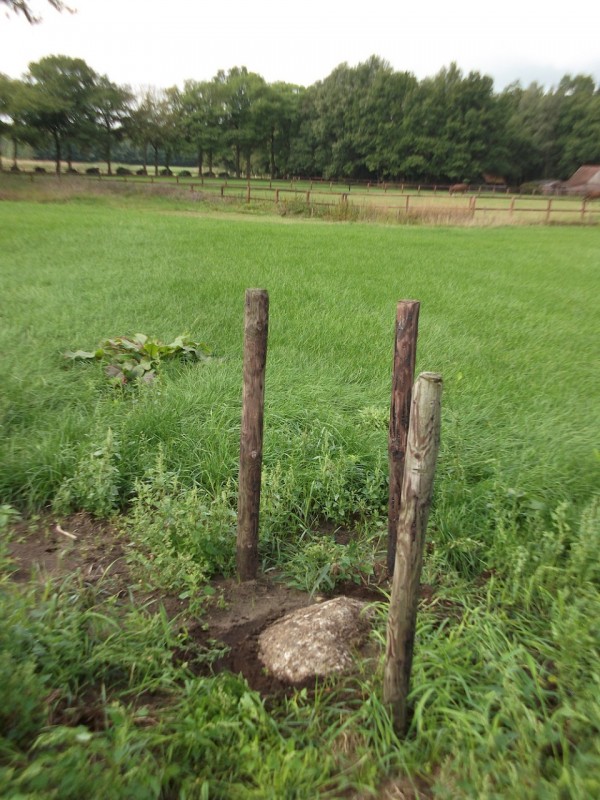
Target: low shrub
x=123, y=171
x=92, y=171
x=185, y=173
x=166, y=172
x=39, y=170
x=142, y=171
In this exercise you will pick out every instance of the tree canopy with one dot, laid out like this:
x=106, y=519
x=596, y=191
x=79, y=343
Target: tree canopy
x=360, y=122
x=24, y=7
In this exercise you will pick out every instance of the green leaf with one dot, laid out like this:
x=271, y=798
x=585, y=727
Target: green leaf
x=80, y=355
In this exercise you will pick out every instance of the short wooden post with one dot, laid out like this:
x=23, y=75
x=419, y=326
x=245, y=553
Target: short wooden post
x=248, y=192
x=256, y=326
x=549, y=209
x=403, y=375
x=276, y=195
x=417, y=489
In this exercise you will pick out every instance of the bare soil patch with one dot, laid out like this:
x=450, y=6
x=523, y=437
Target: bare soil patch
x=232, y=621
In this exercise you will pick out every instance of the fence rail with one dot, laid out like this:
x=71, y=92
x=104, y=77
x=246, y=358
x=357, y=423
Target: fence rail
x=435, y=203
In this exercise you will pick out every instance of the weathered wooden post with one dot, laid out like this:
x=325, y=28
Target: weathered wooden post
x=256, y=327
x=403, y=375
x=417, y=489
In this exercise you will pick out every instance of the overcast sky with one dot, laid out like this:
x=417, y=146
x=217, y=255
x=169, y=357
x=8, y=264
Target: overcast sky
x=163, y=42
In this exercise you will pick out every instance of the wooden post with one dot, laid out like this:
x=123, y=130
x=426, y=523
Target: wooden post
x=417, y=488
x=256, y=326
x=549, y=209
x=403, y=375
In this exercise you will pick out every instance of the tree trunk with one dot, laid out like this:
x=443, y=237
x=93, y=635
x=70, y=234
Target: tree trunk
x=238, y=171
x=155, y=148
x=200, y=160
x=15, y=151
x=272, y=153
x=108, y=153
x=210, y=162
x=58, y=154
x=145, y=157
x=69, y=157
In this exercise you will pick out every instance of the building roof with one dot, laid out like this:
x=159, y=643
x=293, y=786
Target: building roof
x=588, y=175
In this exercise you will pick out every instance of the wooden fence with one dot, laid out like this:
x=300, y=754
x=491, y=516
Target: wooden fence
x=402, y=202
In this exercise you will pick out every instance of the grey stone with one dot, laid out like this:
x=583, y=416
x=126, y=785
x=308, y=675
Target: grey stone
x=315, y=641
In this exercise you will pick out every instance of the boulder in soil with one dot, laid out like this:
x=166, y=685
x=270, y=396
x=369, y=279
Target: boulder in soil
x=315, y=641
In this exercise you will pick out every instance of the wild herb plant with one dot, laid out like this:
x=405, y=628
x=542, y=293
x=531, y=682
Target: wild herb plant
x=180, y=536
x=94, y=485
x=137, y=358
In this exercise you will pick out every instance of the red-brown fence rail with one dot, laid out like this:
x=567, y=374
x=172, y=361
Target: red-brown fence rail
x=402, y=202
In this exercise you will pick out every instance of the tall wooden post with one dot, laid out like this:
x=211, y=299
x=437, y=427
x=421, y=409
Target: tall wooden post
x=256, y=326
x=403, y=375
x=417, y=489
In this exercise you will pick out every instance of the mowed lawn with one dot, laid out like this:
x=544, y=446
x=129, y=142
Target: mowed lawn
x=504, y=700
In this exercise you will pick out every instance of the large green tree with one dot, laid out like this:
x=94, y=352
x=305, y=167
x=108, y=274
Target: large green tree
x=578, y=123
x=59, y=103
x=152, y=123
x=200, y=110
x=244, y=125
x=109, y=106
x=14, y=103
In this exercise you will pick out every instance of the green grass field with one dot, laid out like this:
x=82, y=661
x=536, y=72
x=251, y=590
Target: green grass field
x=505, y=683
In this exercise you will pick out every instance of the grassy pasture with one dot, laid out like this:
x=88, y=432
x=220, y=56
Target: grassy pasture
x=505, y=691
x=353, y=202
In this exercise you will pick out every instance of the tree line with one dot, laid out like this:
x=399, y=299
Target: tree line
x=364, y=122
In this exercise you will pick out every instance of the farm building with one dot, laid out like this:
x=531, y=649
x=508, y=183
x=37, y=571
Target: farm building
x=585, y=179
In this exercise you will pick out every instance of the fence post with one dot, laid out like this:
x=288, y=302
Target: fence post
x=248, y=192
x=256, y=326
x=417, y=488
x=549, y=209
x=403, y=375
